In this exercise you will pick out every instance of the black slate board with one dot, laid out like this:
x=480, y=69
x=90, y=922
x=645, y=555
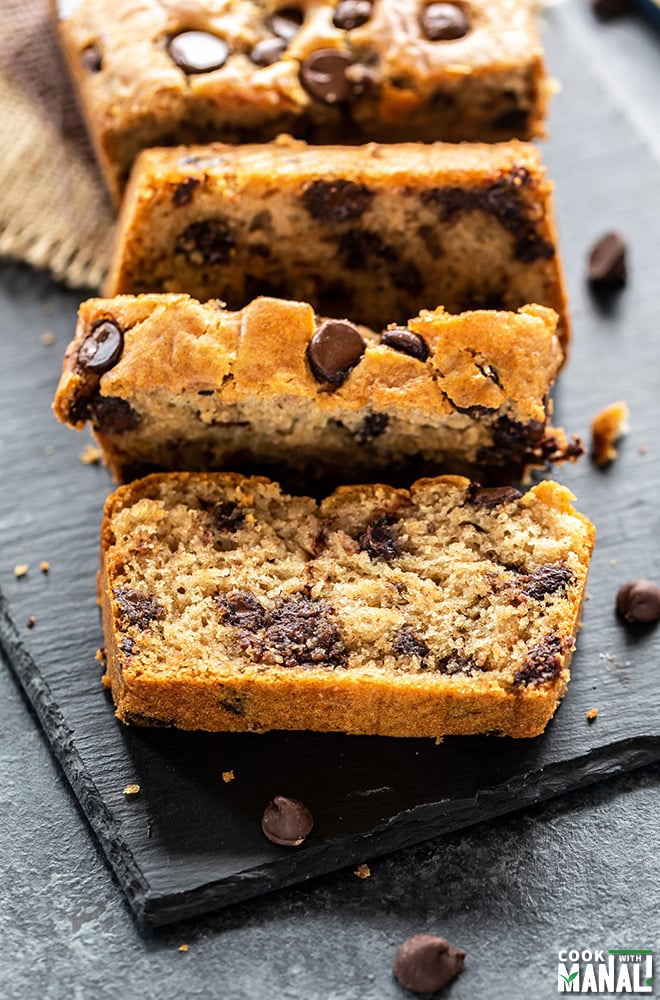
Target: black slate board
x=190, y=843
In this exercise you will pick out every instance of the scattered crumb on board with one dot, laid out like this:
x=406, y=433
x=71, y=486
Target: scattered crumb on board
x=131, y=790
x=21, y=569
x=362, y=871
x=228, y=776
x=31, y=622
x=44, y=566
x=591, y=714
x=606, y=428
x=183, y=947
x=48, y=338
x=90, y=455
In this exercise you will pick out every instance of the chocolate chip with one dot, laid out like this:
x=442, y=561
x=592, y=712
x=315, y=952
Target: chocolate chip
x=514, y=120
x=137, y=609
x=336, y=200
x=356, y=246
x=233, y=703
x=425, y=963
x=241, y=608
x=299, y=632
x=493, y=496
x=286, y=822
x=198, y=51
x=546, y=579
x=127, y=646
x=183, y=192
x=323, y=75
x=285, y=23
x=443, y=22
x=268, y=51
x=112, y=415
x=608, y=10
x=543, y=661
x=351, y=14
x=208, y=241
x=378, y=541
x=455, y=664
x=334, y=350
x=92, y=59
x=101, y=349
x=408, y=643
x=225, y=514
x=373, y=425
x=639, y=601
x=404, y=340
x=607, y=261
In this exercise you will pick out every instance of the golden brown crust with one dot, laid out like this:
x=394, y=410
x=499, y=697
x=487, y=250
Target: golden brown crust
x=417, y=704
x=482, y=367
x=488, y=85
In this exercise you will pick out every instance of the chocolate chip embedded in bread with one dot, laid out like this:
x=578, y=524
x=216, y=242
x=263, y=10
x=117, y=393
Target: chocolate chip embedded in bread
x=425, y=963
x=92, y=59
x=378, y=540
x=639, y=601
x=286, y=22
x=268, y=51
x=198, y=51
x=489, y=497
x=334, y=350
x=336, y=200
x=298, y=632
x=408, y=643
x=286, y=822
x=351, y=14
x=102, y=347
x=543, y=662
x=208, y=241
x=607, y=261
x=112, y=414
x=406, y=341
x=242, y=609
x=545, y=580
x=137, y=609
x=373, y=425
x=444, y=22
x=183, y=192
x=323, y=75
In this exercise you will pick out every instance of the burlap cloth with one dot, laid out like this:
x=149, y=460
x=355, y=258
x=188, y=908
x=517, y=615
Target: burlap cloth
x=54, y=211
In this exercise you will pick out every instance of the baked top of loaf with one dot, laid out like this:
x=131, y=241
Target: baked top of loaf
x=168, y=382
x=448, y=608
x=253, y=68
x=374, y=232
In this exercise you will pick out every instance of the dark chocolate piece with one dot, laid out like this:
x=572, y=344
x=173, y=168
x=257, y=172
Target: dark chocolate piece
x=137, y=609
x=489, y=497
x=336, y=200
x=183, y=192
x=92, y=59
x=298, y=632
x=546, y=580
x=101, y=349
x=408, y=643
x=207, y=241
x=373, y=425
x=242, y=609
x=378, y=541
x=607, y=261
x=286, y=822
x=323, y=75
x=543, y=661
x=112, y=415
x=639, y=601
x=268, y=51
x=198, y=51
x=334, y=350
x=351, y=14
x=404, y=340
x=285, y=23
x=443, y=22
x=425, y=963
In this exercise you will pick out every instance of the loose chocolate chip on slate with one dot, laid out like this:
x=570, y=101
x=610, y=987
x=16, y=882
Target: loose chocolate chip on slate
x=334, y=350
x=208, y=241
x=268, y=51
x=198, y=51
x=404, y=340
x=92, y=59
x=351, y=14
x=286, y=821
x=102, y=348
x=639, y=601
x=425, y=963
x=323, y=75
x=285, y=23
x=443, y=22
x=336, y=200
x=607, y=261
x=492, y=496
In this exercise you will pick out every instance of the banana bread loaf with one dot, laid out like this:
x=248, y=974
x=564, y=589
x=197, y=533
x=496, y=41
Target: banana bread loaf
x=154, y=73
x=169, y=383
x=372, y=232
x=449, y=608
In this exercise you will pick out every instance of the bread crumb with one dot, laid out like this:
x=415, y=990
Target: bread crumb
x=31, y=622
x=183, y=947
x=227, y=776
x=106, y=682
x=362, y=871
x=613, y=562
x=642, y=450
x=90, y=455
x=131, y=790
x=21, y=569
x=100, y=654
x=439, y=740
x=44, y=566
x=591, y=714
x=48, y=338
x=607, y=427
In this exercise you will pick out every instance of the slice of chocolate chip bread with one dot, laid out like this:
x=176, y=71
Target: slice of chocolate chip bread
x=156, y=73
x=449, y=608
x=169, y=383
x=372, y=232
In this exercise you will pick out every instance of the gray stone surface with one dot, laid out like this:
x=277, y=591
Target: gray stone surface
x=581, y=871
